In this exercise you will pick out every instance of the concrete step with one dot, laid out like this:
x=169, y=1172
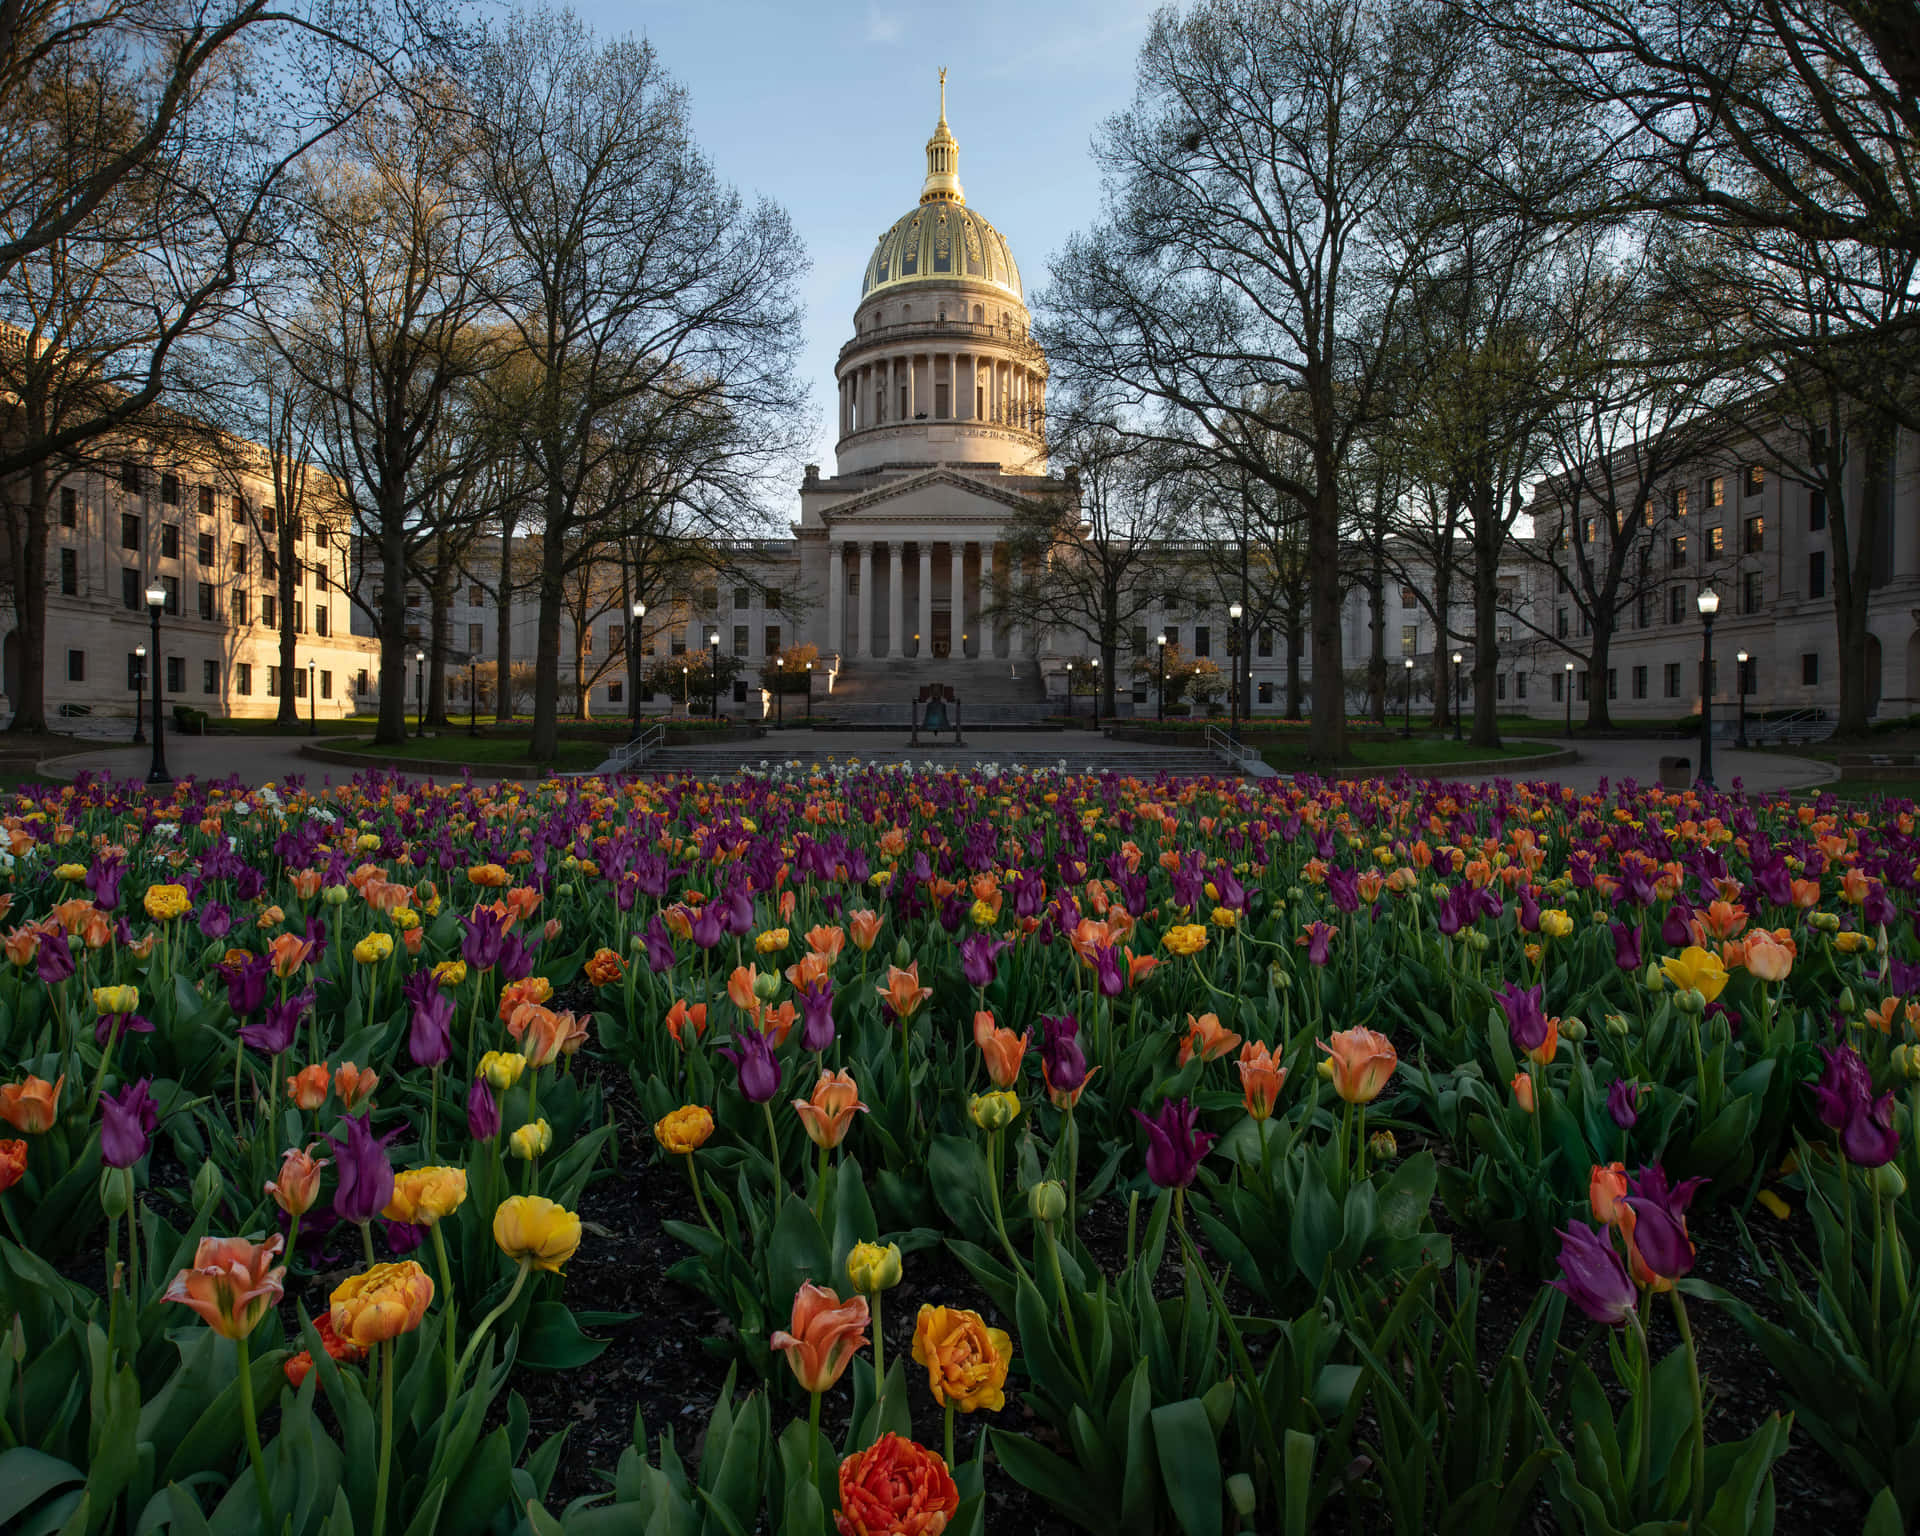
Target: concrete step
x=725, y=761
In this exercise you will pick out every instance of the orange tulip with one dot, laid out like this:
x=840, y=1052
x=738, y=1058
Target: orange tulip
x=903, y=992
x=1065, y=1098
x=354, y=1085
x=309, y=1087
x=1260, y=1079
x=233, y=1283
x=523, y=901
x=828, y=1114
x=13, y=1163
x=1606, y=1188
x=23, y=945
x=381, y=1304
x=1002, y=1049
x=299, y=1183
x=1209, y=1036
x=1767, y=957
x=740, y=989
x=516, y=994
x=865, y=928
x=289, y=953
x=31, y=1106
x=828, y=941
x=1360, y=1061
x=823, y=1335
x=1139, y=967
x=605, y=968
x=491, y=876
x=540, y=1032
x=812, y=967
x=1522, y=1086
x=680, y=1015
x=305, y=883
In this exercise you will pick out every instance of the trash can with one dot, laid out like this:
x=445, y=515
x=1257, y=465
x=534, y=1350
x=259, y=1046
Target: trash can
x=1676, y=773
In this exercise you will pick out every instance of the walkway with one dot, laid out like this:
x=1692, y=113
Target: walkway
x=1639, y=759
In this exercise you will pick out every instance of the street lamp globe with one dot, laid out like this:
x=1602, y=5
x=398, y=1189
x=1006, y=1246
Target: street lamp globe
x=1708, y=601
x=1234, y=611
x=639, y=610
x=1458, y=658
x=1741, y=657
x=156, y=597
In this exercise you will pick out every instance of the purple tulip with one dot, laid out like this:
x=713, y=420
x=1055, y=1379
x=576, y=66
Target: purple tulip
x=1593, y=1277
x=366, y=1175
x=247, y=984
x=516, y=958
x=1060, y=1053
x=1623, y=1100
x=480, y=947
x=1343, y=885
x=1526, y=1016
x=707, y=928
x=1844, y=1085
x=1106, y=967
x=103, y=880
x=216, y=922
x=128, y=1120
x=404, y=1236
x=1868, y=1138
x=278, y=1024
x=54, y=961
x=816, y=1014
x=1674, y=932
x=109, y=1024
x=1175, y=1143
x=1660, y=1221
x=430, y=1023
x=752, y=1057
x=483, y=1113
x=659, y=945
x=1319, y=937
x=1528, y=909
x=978, y=956
x=1626, y=946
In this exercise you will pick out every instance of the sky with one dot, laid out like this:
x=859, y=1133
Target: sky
x=827, y=107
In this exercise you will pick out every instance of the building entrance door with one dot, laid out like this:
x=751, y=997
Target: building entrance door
x=942, y=632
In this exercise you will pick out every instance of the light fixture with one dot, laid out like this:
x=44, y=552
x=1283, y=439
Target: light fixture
x=1708, y=602
x=1161, y=641
x=639, y=610
x=1233, y=610
x=156, y=597
x=1569, y=666
x=1457, y=658
x=1409, y=663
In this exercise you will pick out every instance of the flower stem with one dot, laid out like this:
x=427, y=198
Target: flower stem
x=1066, y=1308
x=1643, y=1409
x=133, y=1247
x=700, y=1199
x=386, y=1438
x=252, y=1426
x=993, y=1188
x=473, y=1343
x=879, y=1359
x=1699, y=1413
x=813, y=1438
x=446, y=1295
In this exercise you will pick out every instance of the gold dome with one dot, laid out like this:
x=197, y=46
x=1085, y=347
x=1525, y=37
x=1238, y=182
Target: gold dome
x=941, y=240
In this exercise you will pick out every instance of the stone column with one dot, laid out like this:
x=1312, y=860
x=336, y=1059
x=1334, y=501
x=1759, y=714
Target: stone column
x=986, y=600
x=957, y=604
x=926, y=598
x=836, y=596
x=913, y=390
x=895, y=598
x=1016, y=642
x=863, y=646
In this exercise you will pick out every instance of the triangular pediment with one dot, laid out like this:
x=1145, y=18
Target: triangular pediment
x=886, y=500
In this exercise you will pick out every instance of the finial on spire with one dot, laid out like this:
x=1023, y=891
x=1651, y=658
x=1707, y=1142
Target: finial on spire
x=943, y=94
x=943, y=159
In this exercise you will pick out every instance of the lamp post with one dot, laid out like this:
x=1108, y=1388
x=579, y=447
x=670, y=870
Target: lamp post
x=1406, y=729
x=473, y=697
x=686, y=693
x=1234, y=611
x=1095, y=665
x=157, y=772
x=713, y=669
x=1740, y=687
x=809, y=693
x=780, y=692
x=1708, y=602
x=1569, y=692
x=1069, y=690
x=1160, y=677
x=419, y=694
x=636, y=646
x=1456, y=695
x=139, y=695
x=313, y=698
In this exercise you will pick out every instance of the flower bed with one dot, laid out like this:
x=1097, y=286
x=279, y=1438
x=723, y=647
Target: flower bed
x=1027, y=1152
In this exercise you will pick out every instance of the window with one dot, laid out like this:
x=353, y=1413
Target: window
x=361, y=683
x=1646, y=512
x=1756, y=479
x=204, y=548
x=739, y=690
x=326, y=685
x=475, y=596
x=171, y=586
x=1752, y=591
x=130, y=477
x=710, y=598
x=1172, y=633
x=677, y=645
x=299, y=682
x=70, y=572
x=1500, y=685
x=740, y=639
x=294, y=530
x=270, y=570
x=1680, y=502
x=1138, y=643
x=853, y=584
x=1202, y=640
x=206, y=599
x=742, y=597
x=1560, y=623
x=1643, y=610
x=1716, y=491
x=322, y=619
x=1585, y=678
x=243, y=679
x=136, y=672
x=1408, y=599
x=615, y=693
x=206, y=501
x=69, y=507
x=299, y=617
x=273, y=682
x=1716, y=541
x=268, y=517
x=1558, y=687
x=1266, y=693
x=1756, y=537
x=1816, y=511
x=1613, y=682
x=129, y=531
x=170, y=490
x=209, y=677
x=476, y=638
x=1589, y=529
x=1673, y=679
x=1409, y=639
x=130, y=589
x=1810, y=669
x=319, y=576
x=1676, y=605
x=772, y=641
x=1817, y=573
x=176, y=674
x=270, y=611
x=240, y=562
x=1520, y=685
x=1639, y=682
x=586, y=641
x=239, y=605
x=413, y=593
x=169, y=541
x=76, y=666
x=1265, y=646
x=773, y=598
x=1677, y=551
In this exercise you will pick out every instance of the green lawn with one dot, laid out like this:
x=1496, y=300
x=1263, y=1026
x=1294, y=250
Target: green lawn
x=456, y=748
x=1288, y=753
x=1869, y=790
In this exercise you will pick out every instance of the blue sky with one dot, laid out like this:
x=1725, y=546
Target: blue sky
x=826, y=107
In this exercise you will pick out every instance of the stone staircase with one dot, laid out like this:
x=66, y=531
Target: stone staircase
x=994, y=691
x=1076, y=753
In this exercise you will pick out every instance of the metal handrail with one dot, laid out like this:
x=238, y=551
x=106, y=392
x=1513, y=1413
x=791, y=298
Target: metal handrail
x=1222, y=742
x=632, y=753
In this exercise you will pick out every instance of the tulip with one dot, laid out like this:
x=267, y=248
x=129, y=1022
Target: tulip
x=872, y=1268
x=1844, y=1085
x=1526, y=1018
x=483, y=1111
x=430, y=1020
x=828, y=1114
x=680, y=1017
x=54, y=960
x=31, y=1105
x=1185, y=939
x=1002, y=1050
x=232, y=1285
x=380, y=1304
x=1623, y=1098
x=354, y=1085
x=1695, y=969
x=1176, y=1144
x=128, y=1120
x=1592, y=1276
x=1061, y=1057
x=895, y=1488
x=13, y=1164
x=903, y=992
x=531, y=1140
x=1207, y=1035
x=1261, y=1079
x=1868, y=1138
x=121, y=999
x=1360, y=1062
x=966, y=1361
x=1656, y=1232
x=1318, y=942
x=1626, y=946
x=308, y=1088
x=533, y=1230
x=752, y=1057
x=864, y=927
x=298, y=1186
x=684, y=1130
x=365, y=1174
x=425, y=1196
x=1606, y=1188
x=279, y=1024
x=816, y=1026
x=994, y=1111
x=1522, y=1088
x=501, y=1069
x=979, y=955
x=822, y=1336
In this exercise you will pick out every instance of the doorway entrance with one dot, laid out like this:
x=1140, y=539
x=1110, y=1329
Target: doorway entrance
x=942, y=632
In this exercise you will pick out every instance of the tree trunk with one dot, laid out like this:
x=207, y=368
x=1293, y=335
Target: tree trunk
x=1296, y=643
x=1327, y=732
x=1599, y=714
x=503, y=624
x=439, y=638
x=28, y=538
x=1852, y=542
x=1486, y=658
x=287, y=587
x=1377, y=638
x=1442, y=633
x=392, y=727
x=546, y=659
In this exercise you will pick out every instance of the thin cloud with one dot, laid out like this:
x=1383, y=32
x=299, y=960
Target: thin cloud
x=883, y=26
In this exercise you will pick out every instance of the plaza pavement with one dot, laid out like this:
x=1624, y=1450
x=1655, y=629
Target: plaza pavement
x=263, y=759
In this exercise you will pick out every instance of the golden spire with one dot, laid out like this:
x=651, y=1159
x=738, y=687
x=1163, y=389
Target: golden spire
x=943, y=159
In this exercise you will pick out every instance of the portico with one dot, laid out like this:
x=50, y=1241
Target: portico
x=936, y=585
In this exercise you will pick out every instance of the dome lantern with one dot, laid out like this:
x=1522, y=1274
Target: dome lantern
x=943, y=159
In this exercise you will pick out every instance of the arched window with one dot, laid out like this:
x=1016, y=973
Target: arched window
x=943, y=313
x=979, y=314
x=906, y=314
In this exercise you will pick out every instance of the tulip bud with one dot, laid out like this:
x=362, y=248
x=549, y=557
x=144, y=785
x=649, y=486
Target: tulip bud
x=1888, y=1181
x=1906, y=1060
x=209, y=1184
x=872, y=1268
x=1478, y=942
x=1617, y=1026
x=1656, y=978
x=1047, y=1200
x=1294, y=893
x=1241, y=1491
x=1573, y=1028
x=1692, y=1001
x=113, y=1193
x=1825, y=922
x=766, y=986
x=994, y=1111
x=565, y=887
x=531, y=1140
x=1846, y=1001
x=1325, y=1069
x=903, y=954
x=1281, y=977
x=637, y=944
x=1383, y=1146
x=334, y=895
